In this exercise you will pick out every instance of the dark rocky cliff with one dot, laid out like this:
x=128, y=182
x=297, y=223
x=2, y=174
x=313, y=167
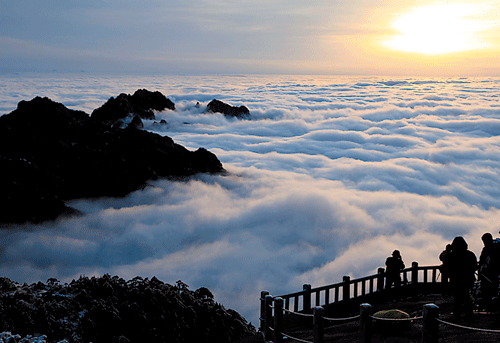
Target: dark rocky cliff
x=49, y=154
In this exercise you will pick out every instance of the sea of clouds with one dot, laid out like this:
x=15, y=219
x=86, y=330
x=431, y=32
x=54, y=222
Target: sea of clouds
x=327, y=177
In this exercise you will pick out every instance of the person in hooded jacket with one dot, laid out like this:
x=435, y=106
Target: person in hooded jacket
x=462, y=265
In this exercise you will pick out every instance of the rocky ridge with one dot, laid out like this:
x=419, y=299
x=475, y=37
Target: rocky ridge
x=50, y=154
x=140, y=105
x=110, y=309
x=217, y=106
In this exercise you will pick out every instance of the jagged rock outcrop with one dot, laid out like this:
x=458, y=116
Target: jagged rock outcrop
x=162, y=124
x=116, y=111
x=136, y=123
x=49, y=153
x=110, y=309
x=217, y=106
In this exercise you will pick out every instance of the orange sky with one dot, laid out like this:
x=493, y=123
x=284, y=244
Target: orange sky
x=430, y=38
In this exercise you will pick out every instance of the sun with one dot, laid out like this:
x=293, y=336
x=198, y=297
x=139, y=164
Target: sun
x=438, y=29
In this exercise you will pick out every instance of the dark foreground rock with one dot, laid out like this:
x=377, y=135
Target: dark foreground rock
x=215, y=106
x=49, y=154
x=110, y=309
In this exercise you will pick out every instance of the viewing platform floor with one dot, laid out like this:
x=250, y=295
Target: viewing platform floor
x=348, y=332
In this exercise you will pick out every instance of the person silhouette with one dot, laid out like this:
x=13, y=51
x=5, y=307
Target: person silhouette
x=462, y=269
x=444, y=266
x=489, y=264
x=394, y=265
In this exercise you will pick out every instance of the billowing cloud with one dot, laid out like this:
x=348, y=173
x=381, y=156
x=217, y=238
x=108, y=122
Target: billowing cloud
x=319, y=185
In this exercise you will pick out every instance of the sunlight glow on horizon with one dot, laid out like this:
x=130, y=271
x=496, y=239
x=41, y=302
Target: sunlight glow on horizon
x=439, y=29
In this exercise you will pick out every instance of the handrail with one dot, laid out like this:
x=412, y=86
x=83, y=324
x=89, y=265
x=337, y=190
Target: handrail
x=272, y=325
x=467, y=327
x=397, y=319
x=298, y=313
x=369, y=284
x=430, y=327
x=342, y=319
x=303, y=301
x=291, y=295
x=328, y=287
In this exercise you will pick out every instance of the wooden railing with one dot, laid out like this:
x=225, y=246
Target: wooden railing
x=415, y=280
x=309, y=297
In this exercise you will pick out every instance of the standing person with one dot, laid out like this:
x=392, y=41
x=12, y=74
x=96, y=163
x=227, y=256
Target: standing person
x=463, y=265
x=394, y=265
x=445, y=272
x=444, y=266
x=489, y=268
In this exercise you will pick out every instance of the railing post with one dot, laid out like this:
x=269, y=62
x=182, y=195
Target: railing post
x=306, y=300
x=318, y=325
x=262, y=318
x=365, y=323
x=380, y=279
x=346, y=288
x=414, y=279
x=414, y=273
x=278, y=320
x=268, y=316
x=431, y=325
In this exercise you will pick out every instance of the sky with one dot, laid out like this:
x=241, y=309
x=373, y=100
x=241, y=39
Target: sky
x=327, y=177
x=336, y=37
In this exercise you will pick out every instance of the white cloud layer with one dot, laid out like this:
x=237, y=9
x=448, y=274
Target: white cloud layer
x=327, y=178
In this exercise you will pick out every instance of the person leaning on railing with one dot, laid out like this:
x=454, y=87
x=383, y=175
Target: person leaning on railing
x=394, y=266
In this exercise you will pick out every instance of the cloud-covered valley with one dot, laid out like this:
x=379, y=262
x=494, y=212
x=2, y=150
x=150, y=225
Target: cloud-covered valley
x=327, y=177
